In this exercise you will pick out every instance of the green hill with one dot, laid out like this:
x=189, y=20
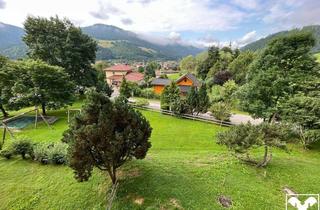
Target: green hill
x=261, y=43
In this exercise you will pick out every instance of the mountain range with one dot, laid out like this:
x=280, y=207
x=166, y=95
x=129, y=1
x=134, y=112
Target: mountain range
x=261, y=43
x=113, y=43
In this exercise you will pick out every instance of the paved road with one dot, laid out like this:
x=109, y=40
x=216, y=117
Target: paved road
x=234, y=119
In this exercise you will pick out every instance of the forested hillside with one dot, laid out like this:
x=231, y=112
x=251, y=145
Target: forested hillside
x=261, y=43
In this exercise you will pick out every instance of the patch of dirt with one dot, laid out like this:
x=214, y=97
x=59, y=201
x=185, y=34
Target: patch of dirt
x=225, y=201
x=287, y=190
x=122, y=174
x=175, y=203
x=172, y=204
x=138, y=200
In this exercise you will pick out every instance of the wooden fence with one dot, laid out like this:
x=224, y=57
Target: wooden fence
x=186, y=116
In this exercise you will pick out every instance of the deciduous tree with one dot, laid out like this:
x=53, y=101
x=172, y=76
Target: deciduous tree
x=58, y=42
x=281, y=71
x=38, y=84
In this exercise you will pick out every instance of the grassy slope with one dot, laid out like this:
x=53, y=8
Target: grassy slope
x=185, y=167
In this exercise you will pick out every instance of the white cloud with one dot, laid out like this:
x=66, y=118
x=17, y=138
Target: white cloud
x=247, y=38
x=2, y=4
x=293, y=13
x=127, y=21
x=247, y=4
x=148, y=15
x=105, y=10
x=208, y=41
x=174, y=36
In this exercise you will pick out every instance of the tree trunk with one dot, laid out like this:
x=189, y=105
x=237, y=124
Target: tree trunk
x=113, y=175
x=265, y=160
x=5, y=114
x=43, y=107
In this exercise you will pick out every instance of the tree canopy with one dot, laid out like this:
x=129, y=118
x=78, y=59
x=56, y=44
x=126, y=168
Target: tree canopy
x=106, y=135
x=284, y=69
x=35, y=83
x=58, y=42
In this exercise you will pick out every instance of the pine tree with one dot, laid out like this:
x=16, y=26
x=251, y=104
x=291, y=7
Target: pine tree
x=106, y=135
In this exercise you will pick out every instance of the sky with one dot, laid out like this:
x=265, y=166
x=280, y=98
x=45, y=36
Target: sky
x=192, y=22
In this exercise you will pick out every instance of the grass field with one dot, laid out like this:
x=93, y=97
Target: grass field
x=174, y=76
x=184, y=169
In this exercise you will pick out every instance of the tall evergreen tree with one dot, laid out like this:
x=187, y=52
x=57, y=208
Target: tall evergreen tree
x=125, y=89
x=212, y=58
x=203, y=100
x=192, y=99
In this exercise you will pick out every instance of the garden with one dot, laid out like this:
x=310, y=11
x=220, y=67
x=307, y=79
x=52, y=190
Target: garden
x=108, y=154
x=184, y=169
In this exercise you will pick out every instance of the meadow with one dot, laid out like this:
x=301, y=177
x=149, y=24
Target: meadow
x=184, y=169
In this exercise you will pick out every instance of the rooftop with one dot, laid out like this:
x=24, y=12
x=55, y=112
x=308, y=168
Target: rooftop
x=119, y=67
x=160, y=81
x=192, y=77
x=134, y=76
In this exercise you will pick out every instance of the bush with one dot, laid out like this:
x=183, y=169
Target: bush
x=23, y=147
x=41, y=153
x=180, y=107
x=58, y=153
x=6, y=153
x=142, y=102
x=51, y=153
x=148, y=93
x=221, y=111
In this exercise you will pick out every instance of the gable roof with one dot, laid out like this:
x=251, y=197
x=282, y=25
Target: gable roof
x=119, y=67
x=184, y=88
x=190, y=76
x=160, y=81
x=134, y=77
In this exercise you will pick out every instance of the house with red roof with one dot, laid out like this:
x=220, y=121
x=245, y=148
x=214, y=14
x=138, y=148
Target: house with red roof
x=116, y=73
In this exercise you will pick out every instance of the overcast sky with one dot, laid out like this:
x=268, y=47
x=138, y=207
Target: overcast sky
x=198, y=22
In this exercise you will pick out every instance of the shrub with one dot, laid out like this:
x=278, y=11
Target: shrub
x=148, y=93
x=6, y=153
x=221, y=111
x=23, y=147
x=41, y=152
x=142, y=102
x=179, y=107
x=57, y=154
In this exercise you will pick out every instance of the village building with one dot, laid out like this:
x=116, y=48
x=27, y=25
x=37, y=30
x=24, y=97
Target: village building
x=184, y=83
x=116, y=73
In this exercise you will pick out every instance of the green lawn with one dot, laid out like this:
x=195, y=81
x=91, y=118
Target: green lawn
x=184, y=169
x=174, y=76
